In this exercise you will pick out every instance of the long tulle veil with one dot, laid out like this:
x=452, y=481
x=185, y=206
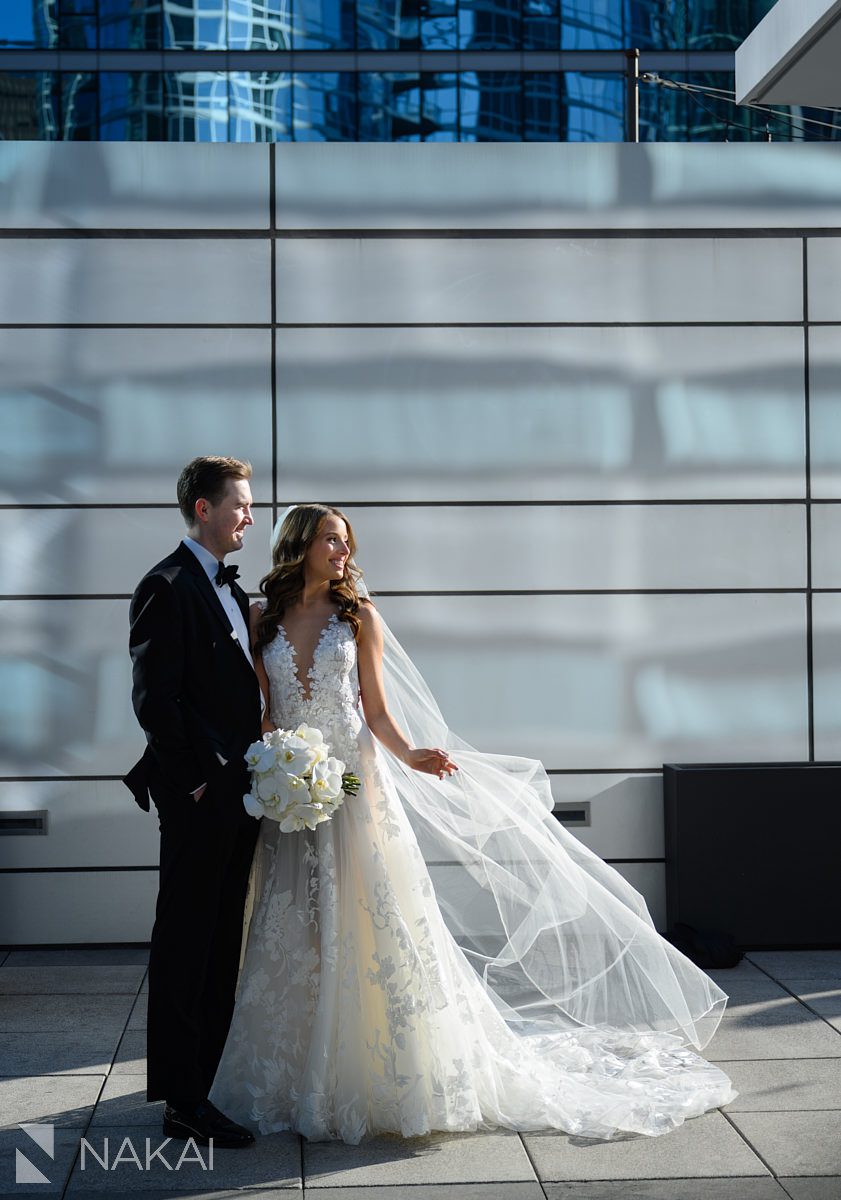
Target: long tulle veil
x=560, y=940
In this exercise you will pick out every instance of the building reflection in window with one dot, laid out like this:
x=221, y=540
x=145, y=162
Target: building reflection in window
x=323, y=25
x=196, y=106
x=260, y=106
x=324, y=107
x=390, y=107
x=489, y=106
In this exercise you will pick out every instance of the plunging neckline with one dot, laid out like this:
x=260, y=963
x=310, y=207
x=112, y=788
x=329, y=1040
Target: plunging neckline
x=305, y=688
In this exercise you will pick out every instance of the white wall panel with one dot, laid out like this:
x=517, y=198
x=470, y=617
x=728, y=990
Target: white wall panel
x=145, y=281
x=825, y=409
x=90, y=823
x=69, y=551
x=127, y=185
x=101, y=906
x=826, y=545
x=509, y=413
x=824, y=263
x=629, y=547
x=615, y=681
x=520, y=186
x=826, y=635
x=350, y=281
x=110, y=415
x=626, y=812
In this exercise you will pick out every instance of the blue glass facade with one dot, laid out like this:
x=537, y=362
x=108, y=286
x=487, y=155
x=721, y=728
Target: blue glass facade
x=357, y=70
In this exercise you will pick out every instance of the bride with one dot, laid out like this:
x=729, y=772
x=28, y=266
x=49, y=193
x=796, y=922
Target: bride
x=442, y=954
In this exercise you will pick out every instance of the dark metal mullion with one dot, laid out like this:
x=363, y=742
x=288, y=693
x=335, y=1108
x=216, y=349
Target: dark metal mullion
x=810, y=669
x=273, y=309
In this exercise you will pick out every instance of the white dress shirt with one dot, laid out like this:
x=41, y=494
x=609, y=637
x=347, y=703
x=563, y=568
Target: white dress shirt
x=224, y=595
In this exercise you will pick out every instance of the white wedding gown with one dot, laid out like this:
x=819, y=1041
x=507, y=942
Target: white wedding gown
x=360, y=1009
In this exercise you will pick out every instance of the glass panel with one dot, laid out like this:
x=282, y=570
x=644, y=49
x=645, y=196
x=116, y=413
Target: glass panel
x=544, y=413
x=703, y=109
x=89, y=824
x=389, y=107
x=259, y=25
x=539, y=279
x=649, y=879
x=630, y=547
x=196, y=106
x=440, y=107
x=260, y=106
x=824, y=374
x=28, y=107
x=626, y=812
x=324, y=25
x=438, y=25
x=651, y=24
x=195, y=25
x=181, y=282
x=79, y=114
x=592, y=107
x=390, y=26
x=130, y=106
x=77, y=33
x=489, y=106
x=489, y=25
x=89, y=415
x=324, y=107
x=826, y=538
x=130, y=25
x=826, y=636
x=541, y=24
x=74, y=551
x=624, y=681
x=28, y=23
x=541, y=107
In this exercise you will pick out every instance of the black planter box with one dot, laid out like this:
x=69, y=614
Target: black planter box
x=754, y=850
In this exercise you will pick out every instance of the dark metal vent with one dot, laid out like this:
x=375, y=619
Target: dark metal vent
x=23, y=822
x=573, y=814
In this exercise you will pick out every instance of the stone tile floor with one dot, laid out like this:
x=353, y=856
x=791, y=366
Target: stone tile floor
x=71, y=1056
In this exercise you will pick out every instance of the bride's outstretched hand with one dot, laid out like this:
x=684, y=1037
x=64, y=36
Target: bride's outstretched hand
x=431, y=762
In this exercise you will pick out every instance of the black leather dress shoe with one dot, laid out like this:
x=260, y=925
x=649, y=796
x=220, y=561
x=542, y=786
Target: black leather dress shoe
x=203, y=1122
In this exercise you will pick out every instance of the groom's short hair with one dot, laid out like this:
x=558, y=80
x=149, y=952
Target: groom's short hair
x=206, y=478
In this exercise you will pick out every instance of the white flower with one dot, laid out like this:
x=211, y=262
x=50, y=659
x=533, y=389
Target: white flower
x=273, y=787
x=259, y=756
x=253, y=806
x=296, y=756
x=327, y=780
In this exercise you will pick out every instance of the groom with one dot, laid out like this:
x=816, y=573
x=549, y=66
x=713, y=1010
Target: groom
x=197, y=698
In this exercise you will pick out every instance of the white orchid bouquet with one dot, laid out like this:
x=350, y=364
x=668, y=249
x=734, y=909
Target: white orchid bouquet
x=295, y=780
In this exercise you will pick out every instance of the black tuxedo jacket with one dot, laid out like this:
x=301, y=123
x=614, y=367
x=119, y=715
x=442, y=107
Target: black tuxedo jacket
x=195, y=693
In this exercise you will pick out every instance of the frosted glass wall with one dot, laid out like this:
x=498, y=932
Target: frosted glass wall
x=580, y=403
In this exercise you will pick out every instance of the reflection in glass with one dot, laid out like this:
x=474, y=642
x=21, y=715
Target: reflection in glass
x=129, y=24
x=28, y=106
x=541, y=24
x=652, y=24
x=195, y=25
x=259, y=25
x=541, y=107
x=438, y=23
x=196, y=106
x=323, y=25
x=28, y=23
x=489, y=106
x=592, y=106
x=440, y=107
x=393, y=25
x=324, y=107
x=130, y=106
x=489, y=24
x=389, y=107
x=79, y=106
x=260, y=106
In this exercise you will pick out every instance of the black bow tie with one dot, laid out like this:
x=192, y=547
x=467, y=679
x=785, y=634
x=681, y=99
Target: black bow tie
x=226, y=575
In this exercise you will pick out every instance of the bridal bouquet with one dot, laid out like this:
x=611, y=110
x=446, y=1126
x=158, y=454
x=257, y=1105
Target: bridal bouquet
x=294, y=779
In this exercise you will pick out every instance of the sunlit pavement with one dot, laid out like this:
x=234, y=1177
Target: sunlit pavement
x=72, y=1057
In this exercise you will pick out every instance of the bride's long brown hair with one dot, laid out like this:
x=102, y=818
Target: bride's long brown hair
x=284, y=583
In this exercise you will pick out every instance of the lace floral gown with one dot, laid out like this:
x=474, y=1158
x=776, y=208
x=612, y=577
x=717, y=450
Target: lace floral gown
x=356, y=1010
